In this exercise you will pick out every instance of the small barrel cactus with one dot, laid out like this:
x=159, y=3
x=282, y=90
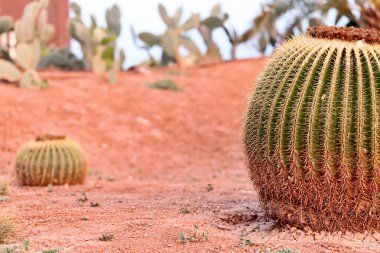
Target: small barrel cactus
x=312, y=134
x=52, y=160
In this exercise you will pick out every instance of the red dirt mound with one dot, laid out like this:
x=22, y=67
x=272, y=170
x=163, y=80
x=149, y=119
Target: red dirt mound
x=161, y=163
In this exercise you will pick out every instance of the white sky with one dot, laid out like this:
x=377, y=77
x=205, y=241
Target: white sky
x=144, y=16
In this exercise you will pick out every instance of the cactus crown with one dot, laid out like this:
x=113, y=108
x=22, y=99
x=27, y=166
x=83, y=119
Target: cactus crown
x=352, y=34
x=312, y=135
x=49, y=137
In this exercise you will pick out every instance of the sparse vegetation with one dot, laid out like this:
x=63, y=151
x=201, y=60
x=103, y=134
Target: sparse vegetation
x=282, y=250
x=165, y=84
x=6, y=225
x=246, y=242
x=94, y=204
x=25, y=245
x=4, y=186
x=3, y=198
x=50, y=251
x=18, y=248
x=106, y=237
x=196, y=235
x=209, y=187
x=185, y=211
x=83, y=198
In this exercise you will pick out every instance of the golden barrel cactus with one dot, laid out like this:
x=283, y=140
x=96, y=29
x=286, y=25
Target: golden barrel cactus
x=52, y=160
x=312, y=133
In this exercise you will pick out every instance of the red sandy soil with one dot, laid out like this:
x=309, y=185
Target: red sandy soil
x=151, y=153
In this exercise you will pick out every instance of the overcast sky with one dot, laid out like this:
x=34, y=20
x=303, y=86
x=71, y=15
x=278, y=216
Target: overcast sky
x=143, y=15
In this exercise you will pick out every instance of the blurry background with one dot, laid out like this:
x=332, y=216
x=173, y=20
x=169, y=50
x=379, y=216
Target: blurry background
x=118, y=34
x=144, y=16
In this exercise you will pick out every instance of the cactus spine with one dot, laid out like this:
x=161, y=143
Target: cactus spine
x=312, y=134
x=52, y=160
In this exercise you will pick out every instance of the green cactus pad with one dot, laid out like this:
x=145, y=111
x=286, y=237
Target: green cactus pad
x=52, y=160
x=6, y=23
x=312, y=134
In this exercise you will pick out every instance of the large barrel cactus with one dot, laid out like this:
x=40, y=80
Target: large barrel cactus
x=52, y=160
x=312, y=134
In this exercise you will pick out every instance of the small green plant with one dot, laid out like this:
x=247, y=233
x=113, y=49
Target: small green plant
x=173, y=72
x=246, y=242
x=25, y=245
x=4, y=187
x=165, y=84
x=50, y=251
x=10, y=249
x=44, y=85
x=83, y=198
x=6, y=225
x=94, y=204
x=84, y=218
x=287, y=250
x=210, y=187
x=196, y=235
x=282, y=250
x=3, y=198
x=106, y=237
x=184, y=211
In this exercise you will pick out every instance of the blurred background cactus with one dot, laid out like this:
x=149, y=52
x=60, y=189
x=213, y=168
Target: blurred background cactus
x=32, y=33
x=6, y=25
x=299, y=15
x=98, y=44
x=207, y=26
x=174, y=38
x=211, y=38
x=61, y=58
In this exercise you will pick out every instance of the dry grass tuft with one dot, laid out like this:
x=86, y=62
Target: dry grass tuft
x=6, y=225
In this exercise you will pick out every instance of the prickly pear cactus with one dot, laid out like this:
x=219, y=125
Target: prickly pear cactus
x=98, y=44
x=6, y=24
x=174, y=38
x=312, y=134
x=32, y=33
x=214, y=21
x=52, y=160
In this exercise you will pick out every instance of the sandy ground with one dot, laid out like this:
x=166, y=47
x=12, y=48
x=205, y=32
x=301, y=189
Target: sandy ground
x=162, y=164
